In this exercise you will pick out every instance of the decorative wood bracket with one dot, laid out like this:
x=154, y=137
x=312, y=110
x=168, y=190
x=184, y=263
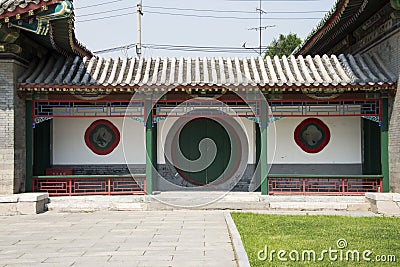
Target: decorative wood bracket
x=10, y=48
x=40, y=24
x=40, y=120
x=373, y=118
x=8, y=36
x=139, y=119
x=272, y=119
x=396, y=6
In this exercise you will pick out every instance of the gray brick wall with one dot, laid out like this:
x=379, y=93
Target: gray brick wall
x=394, y=144
x=389, y=51
x=12, y=130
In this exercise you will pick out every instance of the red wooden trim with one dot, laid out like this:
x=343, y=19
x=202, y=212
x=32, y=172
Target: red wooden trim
x=328, y=101
x=343, y=185
x=69, y=185
x=58, y=172
x=88, y=101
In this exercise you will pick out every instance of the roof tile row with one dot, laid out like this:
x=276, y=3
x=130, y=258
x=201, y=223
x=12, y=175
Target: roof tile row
x=149, y=72
x=11, y=5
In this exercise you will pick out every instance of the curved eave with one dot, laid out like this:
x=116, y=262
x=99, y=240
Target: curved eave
x=61, y=37
x=65, y=41
x=330, y=19
x=344, y=17
x=196, y=88
x=31, y=6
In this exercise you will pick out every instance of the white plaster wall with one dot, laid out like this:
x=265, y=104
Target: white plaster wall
x=69, y=144
x=164, y=127
x=344, y=145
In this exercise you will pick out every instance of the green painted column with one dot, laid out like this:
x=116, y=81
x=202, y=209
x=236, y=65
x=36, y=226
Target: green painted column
x=385, y=146
x=29, y=146
x=149, y=150
x=263, y=149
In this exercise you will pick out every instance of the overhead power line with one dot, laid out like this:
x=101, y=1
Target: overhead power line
x=197, y=16
x=105, y=12
x=105, y=17
x=182, y=10
x=187, y=48
x=220, y=17
x=234, y=11
x=99, y=4
x=200, y=10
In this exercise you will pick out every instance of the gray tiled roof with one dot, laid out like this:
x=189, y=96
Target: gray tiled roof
x=310, y=71
x=11, y=5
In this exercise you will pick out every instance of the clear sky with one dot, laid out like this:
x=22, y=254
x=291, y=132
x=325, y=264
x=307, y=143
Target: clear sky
x=112, y=23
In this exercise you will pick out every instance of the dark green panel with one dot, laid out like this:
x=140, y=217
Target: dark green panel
x=372, y=147
x=264, y=120
x=189, y=140
x=42, y=134
x=258, y=142
x=385, y=146
x=149, y=152
x=258, y=152
x=155, y=146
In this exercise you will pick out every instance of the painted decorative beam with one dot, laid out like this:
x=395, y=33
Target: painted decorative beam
x=14, y=9
x=41, y=23
x=396, y=6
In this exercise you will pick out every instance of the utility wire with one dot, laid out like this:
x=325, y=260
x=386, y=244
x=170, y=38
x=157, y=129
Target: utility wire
x=200, y=16
x=234, y=11
x=220, y=17
x=106, y=11
x=99, y=4
x=106, y=17
x=191, y=48
x=201, y=10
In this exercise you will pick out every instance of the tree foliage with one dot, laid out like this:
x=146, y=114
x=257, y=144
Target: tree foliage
x=284, y=45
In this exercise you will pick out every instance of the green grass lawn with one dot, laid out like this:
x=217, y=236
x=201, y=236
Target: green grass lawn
x=297, y=234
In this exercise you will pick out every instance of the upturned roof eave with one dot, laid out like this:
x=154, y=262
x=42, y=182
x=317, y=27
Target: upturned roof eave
x=17, y=10
x=330, y=19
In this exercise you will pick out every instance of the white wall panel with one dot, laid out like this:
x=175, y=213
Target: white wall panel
x=69, y=143
x=344, y=145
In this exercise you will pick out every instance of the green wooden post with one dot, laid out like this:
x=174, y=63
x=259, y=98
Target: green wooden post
x=149, y=149
x=385, y=146
x=29, y=146
x=264, y=151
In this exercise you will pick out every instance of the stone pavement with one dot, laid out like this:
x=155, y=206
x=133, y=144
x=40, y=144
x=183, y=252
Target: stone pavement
x=136, y=238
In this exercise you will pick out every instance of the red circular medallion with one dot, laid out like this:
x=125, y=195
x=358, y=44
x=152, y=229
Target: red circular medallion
x=102, y=137
x=312, y=135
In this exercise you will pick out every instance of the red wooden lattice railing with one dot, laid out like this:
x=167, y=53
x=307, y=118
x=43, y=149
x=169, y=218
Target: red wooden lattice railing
x=71, y=185
x=324, y=184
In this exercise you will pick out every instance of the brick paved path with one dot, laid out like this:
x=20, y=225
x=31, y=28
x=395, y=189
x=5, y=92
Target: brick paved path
x=156, y=238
